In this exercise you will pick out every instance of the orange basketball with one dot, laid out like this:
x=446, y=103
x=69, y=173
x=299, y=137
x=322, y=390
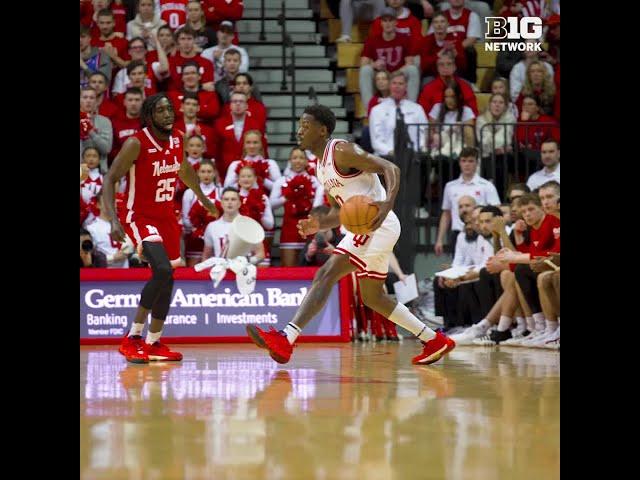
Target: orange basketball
x=356, y=214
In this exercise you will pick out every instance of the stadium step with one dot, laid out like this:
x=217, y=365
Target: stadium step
x=273, y=4
x=301, y=87
x=293, y=13
x=284, y=126
x=293, y=26
x=282, y=113
x=284, y=100
x=302, y=75
x=302, y=62
x=276, y=38
x=272, y=51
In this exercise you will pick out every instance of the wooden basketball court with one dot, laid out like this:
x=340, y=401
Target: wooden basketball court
x=336, y=411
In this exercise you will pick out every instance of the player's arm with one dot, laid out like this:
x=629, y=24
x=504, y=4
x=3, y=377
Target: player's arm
x=351, y=156
x=190, y=178
x=317, y=222
x=121, y=165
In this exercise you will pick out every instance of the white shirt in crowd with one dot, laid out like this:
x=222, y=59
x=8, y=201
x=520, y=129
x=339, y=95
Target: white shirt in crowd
x=518, y=75
x=382, y=123
x=216, y=235
x=480, y=189
x=277, y=199
x=218, y=63
x=452, y=136
x=100, y=231
x=474, y=27
x=231, y=179
x=543, y=176
x=475, y=253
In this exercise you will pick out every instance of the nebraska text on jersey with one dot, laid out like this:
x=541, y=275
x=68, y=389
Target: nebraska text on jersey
x=164, y=168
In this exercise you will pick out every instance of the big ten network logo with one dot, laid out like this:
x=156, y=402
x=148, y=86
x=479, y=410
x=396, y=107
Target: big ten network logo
x=510, y=30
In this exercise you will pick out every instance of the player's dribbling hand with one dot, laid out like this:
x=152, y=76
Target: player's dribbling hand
x=308, y=226
x=384, y=208
x=117, y=232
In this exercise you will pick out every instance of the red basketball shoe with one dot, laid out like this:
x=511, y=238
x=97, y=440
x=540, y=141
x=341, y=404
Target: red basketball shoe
x=130, y=344
x=276, y=342
x=160, y=351
x=434, y=349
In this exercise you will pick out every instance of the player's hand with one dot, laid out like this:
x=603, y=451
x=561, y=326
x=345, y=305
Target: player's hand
x=451, y=282
x=402, y=277
x=211, y=208
x=119, y=256
x=494, y=265
x=438, y=249
x=308, y=226
x=117, y=232
x=384, y=208
x=538, y=265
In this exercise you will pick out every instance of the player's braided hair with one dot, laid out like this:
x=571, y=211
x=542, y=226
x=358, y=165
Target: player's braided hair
x=323, y=115
x=149, y=104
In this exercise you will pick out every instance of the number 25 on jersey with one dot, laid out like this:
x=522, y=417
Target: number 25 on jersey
x=166, y=190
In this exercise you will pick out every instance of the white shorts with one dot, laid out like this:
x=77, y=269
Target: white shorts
x=370, y=253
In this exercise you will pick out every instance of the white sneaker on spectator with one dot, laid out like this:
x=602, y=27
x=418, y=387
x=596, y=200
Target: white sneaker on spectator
x=534, y=337
x=343, y=39
x=467, y=337
x=552, y=340
x=553, y=345
x=517, y=339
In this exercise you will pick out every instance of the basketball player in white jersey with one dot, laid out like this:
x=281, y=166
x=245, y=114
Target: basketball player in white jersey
x=345, y=170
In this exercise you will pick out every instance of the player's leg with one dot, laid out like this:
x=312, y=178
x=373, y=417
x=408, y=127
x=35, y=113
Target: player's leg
x=435, y=344
x=550, y=307
x=289, y=257
x=280, y=343
x=527, y=282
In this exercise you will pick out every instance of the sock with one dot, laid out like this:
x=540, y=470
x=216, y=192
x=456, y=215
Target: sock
x=521, y=323
x=558, y=320
x=483, y=324
x=539, y=320
x=136, y=329
x=551, y=326
x=531, y=324
x=407, y=320
x=292, y=331
x=505, y=323
x=153, y=337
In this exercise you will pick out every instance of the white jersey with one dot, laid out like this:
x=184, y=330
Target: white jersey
x=344, y=186
x=216, y=235
x=100, y=231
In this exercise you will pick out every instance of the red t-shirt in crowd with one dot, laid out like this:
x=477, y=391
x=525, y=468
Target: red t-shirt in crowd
x=109, y=109
x=256, y=110
x=542, y=238
x=120, y=44
x=433, y=92
x=458, y=26
x=428, y=49
x=406, y=24
x=175, y=70
x=174, y=12
x=215, y=11
x=119, y=16
x=532, y=136
x=208, y=134
x=123, y=128
x=393, y=52
x=209, y=104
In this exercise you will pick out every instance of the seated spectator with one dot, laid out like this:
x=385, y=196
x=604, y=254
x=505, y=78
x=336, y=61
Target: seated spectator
x=95, y=130
x=173, y=12
x=122, y=81
x=407, y=23
x=137, y=77
x=361, y=11
x=163, y=37
x=501, y=85
x=433, y=92
x=92, y=184
x=243, y=83
x=388, y=51
x=266, y=169
x=298, y=192
x=145, y=24
x=190, y=82
x=215, y=54
x=550, y=156
x=205, y=35
x=217, y=11
x=117, y=253
x=105, y=107
x=540, y=84
x=230, y=130
x=128, y=123
x=109, y=41
x=216, y=235
x=451, y=124
x=255, y=204
x=225, y=85
x=91, y=59
x=538, y=79
x=185, y=38
x=494, y=130
x=530, y=137
x=196, y=218
x=90, y=257
x=431, y=47
x=468, y=184
x=382, y=121
x=192, y=125
x=89, y=15
x=382, y=81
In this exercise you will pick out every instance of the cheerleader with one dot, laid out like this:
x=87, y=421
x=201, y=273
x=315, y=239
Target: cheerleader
x=252, y=153
x=312, y=162
x=194, y=147
x=91, y=185
x=299, y=192
x=255, y=204
x=195, y=217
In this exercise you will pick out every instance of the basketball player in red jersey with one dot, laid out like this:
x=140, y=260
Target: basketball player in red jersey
x=153, y=158
x=346, y=170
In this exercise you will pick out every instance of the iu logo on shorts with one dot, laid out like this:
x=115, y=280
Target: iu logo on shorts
x=359, y=240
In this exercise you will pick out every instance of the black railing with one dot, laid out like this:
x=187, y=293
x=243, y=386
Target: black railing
x=262, y=35
x=283, y=25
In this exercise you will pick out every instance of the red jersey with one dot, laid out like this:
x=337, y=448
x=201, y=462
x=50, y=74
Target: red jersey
x=406, y=24
x=209, y=104
x=123, y=128
x=255, y=109
x=458, y=26
x=175, y=70
x=532, y=136
x=393, y=52
x=542, y=239
x=153, y=176
x=174, y=12
x=120, y=44
x=433, y=92
x=428, y=49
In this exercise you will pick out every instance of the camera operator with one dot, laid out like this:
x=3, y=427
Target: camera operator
x=89, y=256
